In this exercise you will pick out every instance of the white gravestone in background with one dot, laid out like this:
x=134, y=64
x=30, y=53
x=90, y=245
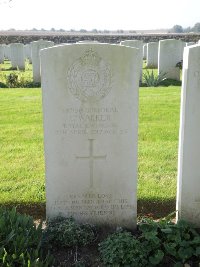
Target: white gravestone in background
x=27, y=52
x=7, y=52
x=170, y=52
x=36, y=46
x=4, y=50
x=152, y=54
x=188, y=196
x=145, y=51
x=184, y=44
x=87, y=42
x=137, y=44
x=90, y=105
x=1, y=54
x=17, y=56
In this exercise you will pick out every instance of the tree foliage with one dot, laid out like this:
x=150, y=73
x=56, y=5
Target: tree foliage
x=177, y=29
x=196, y=27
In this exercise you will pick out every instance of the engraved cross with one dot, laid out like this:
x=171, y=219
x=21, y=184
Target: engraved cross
x=91, y=159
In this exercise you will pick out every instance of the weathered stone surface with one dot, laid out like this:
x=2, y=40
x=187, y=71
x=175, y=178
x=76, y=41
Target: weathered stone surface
x=90, y=104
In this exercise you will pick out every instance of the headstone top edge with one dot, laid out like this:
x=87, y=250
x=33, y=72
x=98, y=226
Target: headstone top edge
x=88, y=45
x=195, y=46
x=170, y=40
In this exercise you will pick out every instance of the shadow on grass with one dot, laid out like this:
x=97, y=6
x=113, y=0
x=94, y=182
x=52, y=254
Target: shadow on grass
x=9, y=69
x=146, y=207
x=164, y=83
x=36, y=210
x=156, y=208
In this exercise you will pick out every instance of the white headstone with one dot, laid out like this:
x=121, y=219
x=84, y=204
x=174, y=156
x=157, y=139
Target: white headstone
x=1, y=54
x=4, y=46
x=87, y=42
x=183, y=46
x=170, y=52
x=145, y=51
x=36, y=46
x=17, y=55
x=90, y=105
x=27, y=51
x=188, y=196
x=7, y=52
x=152, y=54
x=137, y=44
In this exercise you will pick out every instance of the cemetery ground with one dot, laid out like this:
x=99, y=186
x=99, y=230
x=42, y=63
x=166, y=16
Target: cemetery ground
x=22, y=168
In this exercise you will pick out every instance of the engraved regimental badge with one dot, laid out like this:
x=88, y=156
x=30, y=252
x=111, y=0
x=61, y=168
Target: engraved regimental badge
x=89, y=77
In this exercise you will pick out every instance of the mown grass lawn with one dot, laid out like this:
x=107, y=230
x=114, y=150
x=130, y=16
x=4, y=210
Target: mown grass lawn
x=21, y=153
x=158, y=148
x=22, y=172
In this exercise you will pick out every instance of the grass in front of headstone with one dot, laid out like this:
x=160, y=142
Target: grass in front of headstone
x=22, y=154
x=158, y=149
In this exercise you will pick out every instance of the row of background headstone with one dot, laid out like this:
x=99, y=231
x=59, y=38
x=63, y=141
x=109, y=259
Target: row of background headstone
x=17, y=53
x=163, y=55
